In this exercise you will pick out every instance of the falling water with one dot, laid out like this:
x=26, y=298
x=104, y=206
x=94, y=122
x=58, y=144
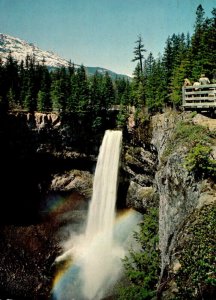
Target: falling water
x=102, y=207
x=100, y=223
x=95, y=255
x=93, y=259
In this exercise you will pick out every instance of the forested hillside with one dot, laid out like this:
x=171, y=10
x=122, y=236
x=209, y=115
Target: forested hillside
x=159, y=83
x=156, y=83
x=51, y=124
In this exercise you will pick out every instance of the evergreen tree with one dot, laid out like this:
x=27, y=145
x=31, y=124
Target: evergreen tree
x=43, y=95
x=11, y=99
x=167, y=61
x=28, y=103
x=126, y=97
x=71, y=69
x=11, y=78
x=212, y=41
x=108, y=92
x=207, y=47
x=160, y=89
x=30, y=91
x=149, y=80
x=119, y=86
x=122, y=91
x=155, y=85
x=82, y=91
x=197, y=50
x=142, y=267
x=148, y=67
x=72, y=100
x=57, y=95
x=22, y=81
x=41, y=101
x=122, y=117
x=200, y=17
x=96, y=95
x=188, y=41
x=179, y=74
x=59, y=90
x=137, y=88
x=138, y=52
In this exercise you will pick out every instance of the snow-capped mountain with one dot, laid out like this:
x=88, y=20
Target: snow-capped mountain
x=20, y=48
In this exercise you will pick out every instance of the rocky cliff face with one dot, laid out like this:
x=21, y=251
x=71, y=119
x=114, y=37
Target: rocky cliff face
x=43, y=177
x=50, y=164
x=181, y=194
x=48, y=161
x=139, y=170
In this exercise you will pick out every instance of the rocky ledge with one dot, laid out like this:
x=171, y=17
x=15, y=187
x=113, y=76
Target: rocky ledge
x=182, y=193
x=151, y=174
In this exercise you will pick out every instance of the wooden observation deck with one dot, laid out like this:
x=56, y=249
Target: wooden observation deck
x=200, y=98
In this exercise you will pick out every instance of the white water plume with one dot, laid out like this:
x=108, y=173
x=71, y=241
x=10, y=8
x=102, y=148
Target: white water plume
x=99, y=230
x=97, y=254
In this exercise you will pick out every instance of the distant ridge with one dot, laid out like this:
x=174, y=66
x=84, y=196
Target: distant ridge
x=19, y=49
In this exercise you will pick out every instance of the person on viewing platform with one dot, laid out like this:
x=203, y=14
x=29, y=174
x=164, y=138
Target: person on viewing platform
x=204, y=80
x=187, y=82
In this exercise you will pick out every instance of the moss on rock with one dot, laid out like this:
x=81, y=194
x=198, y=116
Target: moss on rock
x=196, y=277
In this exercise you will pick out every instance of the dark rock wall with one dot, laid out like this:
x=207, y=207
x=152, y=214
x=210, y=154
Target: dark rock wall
x=180, y=193
x=42, y=156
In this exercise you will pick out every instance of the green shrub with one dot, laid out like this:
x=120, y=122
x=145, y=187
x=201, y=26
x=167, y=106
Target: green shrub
x=188, y=135
x=122, y=117
x=198, y=161
x=142, y=267
x=193, y=114
x=196, y=279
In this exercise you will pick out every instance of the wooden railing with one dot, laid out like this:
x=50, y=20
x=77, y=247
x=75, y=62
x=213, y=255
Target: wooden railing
x=203, y=96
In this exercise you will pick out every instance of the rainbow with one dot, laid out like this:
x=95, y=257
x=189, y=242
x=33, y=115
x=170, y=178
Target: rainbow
x=66, y=283
x=57, y=204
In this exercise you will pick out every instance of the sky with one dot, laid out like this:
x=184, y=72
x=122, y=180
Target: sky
x=99, y=33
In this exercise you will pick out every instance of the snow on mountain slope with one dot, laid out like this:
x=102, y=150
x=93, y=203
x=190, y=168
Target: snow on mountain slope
x=19, y=49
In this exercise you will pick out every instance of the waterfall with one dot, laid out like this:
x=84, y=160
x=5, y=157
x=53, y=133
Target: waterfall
x=93, y=258
x=102, y=207
x=101, y=216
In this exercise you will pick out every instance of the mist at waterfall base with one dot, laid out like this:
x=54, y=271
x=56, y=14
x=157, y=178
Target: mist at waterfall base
x=93, y=259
